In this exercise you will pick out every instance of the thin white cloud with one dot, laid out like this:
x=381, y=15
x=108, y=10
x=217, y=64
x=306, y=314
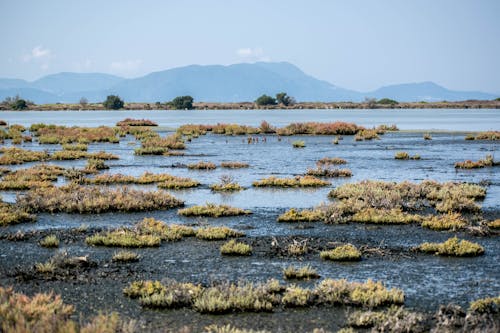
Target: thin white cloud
x=126, y=66
x=252, y=54
x=37, y=53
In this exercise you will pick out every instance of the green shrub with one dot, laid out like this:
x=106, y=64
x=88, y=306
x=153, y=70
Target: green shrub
x=342, y=253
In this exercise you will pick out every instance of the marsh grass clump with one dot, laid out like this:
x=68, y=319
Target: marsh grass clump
x=367, y=294
x=202, y=166
x=302, y=273
x=402, y=155
x=298, y=181
x=314, y=128
x=385, y=216
x=172, y=232
x=69, y=155
x=123, y=238
x=49, y=241
x=80, y=199
x=468, y=164
x=234, y=248
x=230, y=329
x=427, y=136
x=488, y=135
x=305, y=215
x=486, y=305
x=151, y=151
x=329, y=172
x=450, y=221
x=12, y=155
x=234, y=129
x=45, y=267
x=94, y=165
x=126, y=256
x=295, y=296
x=75, y=147
x=136, y=122
x=395, y=316
x=40, y=175
x=213, y=210
x=453, y=247
x=346, y=252
x=145, y=178
x=297, y=248
x=217, y=233
x=174, y=295
x=52, y=134
x=234, y=165
x=492, y=224
x=367, y=135
x=298, y=144
x=12, y=214
x=178, y=183
x=153, y=140
x=325, y=161
x=226, y=184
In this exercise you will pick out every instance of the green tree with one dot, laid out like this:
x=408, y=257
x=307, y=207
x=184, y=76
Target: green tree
x=19, y=104
x=182, y=103
x=113, y=102
x=283, y=98
x=265, y=100
x=387, y=101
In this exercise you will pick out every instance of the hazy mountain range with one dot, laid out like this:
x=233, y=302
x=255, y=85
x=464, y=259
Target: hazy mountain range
x=215, y=83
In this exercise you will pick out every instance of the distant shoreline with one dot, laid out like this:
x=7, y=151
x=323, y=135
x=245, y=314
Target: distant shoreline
x=473, y=104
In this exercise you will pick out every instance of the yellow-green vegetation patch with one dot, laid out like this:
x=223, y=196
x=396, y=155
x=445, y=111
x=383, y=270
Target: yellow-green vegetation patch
x=40, y=175
x=172, y=232
x=136, y=122
x=52, y=134
x=366, y=134
x=80, y=199
x=488, y=135
x=450, y=221
x=297, y=248
x=234, y=165
x=325, y=161
x=213, y=210
x=300, y=273
x=494, y=224
x=295, y=296
x=346, y=252
x=126, y=256
x=164, y=179
x=385, y=216
x=233, y=129
x=329, y=172
x=298, y=181
x=49, y=241
x=66, y=155
x=217, y=233
x=402, y=155
x=46, y=312
x=226, y=187
x=12, y=214
x=12, y=155
x=298, y=144
x=486, y=305
x=123, y=238
x=305, y=215
x=94, y=165
x=468, y=164
x=235, y=248
x=230, y=329
x=395, y=316
x=315, y=128
x=202, y=166
x=76, y=146
x=453, y=247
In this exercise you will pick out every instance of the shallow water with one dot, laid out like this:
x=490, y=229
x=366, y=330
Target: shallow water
x=427, y=280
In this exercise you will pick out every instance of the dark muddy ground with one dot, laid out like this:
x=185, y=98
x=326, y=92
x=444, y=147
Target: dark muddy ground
x=427, y=280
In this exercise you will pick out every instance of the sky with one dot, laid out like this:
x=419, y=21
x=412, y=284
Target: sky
x=354, y=44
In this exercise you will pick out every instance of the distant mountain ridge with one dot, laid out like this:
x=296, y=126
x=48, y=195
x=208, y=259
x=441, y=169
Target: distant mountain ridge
x=217, y=83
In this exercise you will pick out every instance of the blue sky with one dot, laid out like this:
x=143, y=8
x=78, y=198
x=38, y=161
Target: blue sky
x=355, y=44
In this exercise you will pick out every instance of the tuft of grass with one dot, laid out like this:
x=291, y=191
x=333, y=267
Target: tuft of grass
x=12, y=155
x=453, y=247
x=329, y=172
x=234, y=165
x=346, y=252
x=45, y=267
x=298, y=144
x=235, y=248
x=488, y=135
x=492, y=224
x=150, y=151
x=486, y=305
x=385, y=216
x=314, y=128
x=12, y=214
x=49, y=241
x=123, y=238
x=126, y=256
x=228, y=187
x=402, y=155
x=295, y=296
x=305, y=215
x=298, y=181
x=325, y=161
x=217, y=233
x=468, y=164
x=172, y=232
x=136, y=122
x=202, y=166
x=366, y=134
x=75, y=147
x=427, y=136
x=212, y=210
x=302, y=273
x=80, y=199
x=407, y=321
x=450, y=221
x=297, y=248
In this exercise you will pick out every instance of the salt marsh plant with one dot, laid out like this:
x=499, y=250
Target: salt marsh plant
x=234, y=165
x=126, y=256
x=385, y=216
x=12, y=155
x=123, y=238
x=235, y=248
x=468, y=164
x=486, y=305
x=217, y=233
x=12, y=214
x=402, y=155
x=170, y=232
x=367, y=135
x=52, y=134
x=297, y=248
x=80, y=199
x=427, y=136
x=298, y=181
x=488, y=135
x=329, y=172
x=136, y=122
x=325, y=161
x=226, y=184
x=298, y=144
x=40, y=175
x=305, y=215
x=75, y=147
x=49, y=241
x=453, y=247
x=202, y=166
x=295, y=296
x=492, y=224
x=450, y=221
x=313, y=128
x=145, y=178
x=213, y=210
x=300, y=273
x=346, y=252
